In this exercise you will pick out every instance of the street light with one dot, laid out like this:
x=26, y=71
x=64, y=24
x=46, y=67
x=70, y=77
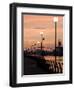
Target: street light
x=55, y=22
x=38, y=42
x=42, y=38
x=41, y=33
x=56, y=19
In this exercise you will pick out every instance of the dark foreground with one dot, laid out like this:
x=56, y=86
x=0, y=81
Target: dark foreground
x=33, y=65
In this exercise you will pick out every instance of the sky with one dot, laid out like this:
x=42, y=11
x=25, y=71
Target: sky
x=34, y=24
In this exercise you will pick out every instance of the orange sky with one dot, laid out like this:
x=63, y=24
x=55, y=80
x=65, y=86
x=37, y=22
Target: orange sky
x=34, y=24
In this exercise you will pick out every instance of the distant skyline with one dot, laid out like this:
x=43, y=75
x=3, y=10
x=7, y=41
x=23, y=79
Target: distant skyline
x=34, y=24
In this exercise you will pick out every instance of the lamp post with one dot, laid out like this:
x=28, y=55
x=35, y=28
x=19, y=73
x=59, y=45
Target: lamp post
x=38, y=43
x=55, y=22
x=42, y=38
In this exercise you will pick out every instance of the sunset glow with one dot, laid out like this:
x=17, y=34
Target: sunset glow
x=33, y=25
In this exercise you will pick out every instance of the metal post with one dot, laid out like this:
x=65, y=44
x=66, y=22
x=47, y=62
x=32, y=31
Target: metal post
x=41, y=46
x=55, y=42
